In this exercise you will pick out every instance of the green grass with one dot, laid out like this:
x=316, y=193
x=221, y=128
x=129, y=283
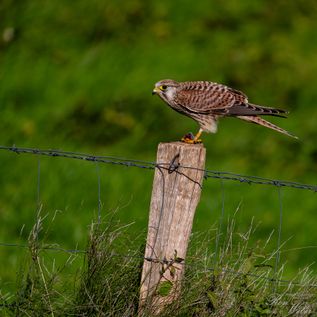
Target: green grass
x=69, y=194
x=105, y=280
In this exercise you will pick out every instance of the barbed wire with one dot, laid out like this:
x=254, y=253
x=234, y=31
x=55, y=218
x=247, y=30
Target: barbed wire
x=169, y=262
x=170, y=166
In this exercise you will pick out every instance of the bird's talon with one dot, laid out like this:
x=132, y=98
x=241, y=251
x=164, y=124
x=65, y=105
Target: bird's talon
x=190, y=141
x=187, y=140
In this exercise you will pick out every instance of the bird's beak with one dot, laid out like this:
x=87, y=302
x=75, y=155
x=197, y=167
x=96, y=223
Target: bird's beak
x=155, y=91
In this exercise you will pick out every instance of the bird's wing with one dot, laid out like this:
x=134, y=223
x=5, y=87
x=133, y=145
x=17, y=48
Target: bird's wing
x=221, y=100
x=209, y=99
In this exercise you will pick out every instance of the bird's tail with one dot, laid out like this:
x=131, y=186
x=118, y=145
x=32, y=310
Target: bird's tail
x=267, y=124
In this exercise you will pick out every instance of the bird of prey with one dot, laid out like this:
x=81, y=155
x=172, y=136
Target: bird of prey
x=206, y=102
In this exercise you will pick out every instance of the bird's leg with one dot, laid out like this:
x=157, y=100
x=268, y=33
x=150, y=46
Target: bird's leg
x=197, y=136
x=189, y=138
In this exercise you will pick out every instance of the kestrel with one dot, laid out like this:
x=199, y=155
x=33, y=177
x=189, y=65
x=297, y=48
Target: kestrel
x=206, y=102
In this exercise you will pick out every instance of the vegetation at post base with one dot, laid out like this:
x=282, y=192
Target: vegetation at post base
x=110, y=282
x=238, y=281
x=164, y=288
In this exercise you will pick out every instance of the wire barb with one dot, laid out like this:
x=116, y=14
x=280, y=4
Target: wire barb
x=171, y=166
x=174, y=165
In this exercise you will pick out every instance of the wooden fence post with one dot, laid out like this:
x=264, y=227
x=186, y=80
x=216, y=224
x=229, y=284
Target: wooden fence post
x=175, y=195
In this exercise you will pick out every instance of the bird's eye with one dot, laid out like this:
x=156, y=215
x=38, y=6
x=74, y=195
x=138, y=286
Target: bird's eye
x=163, y=87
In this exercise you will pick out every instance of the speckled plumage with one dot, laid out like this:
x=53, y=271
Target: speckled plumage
x=206, y=102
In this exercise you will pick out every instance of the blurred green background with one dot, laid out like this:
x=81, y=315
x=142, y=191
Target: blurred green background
x=78, y=76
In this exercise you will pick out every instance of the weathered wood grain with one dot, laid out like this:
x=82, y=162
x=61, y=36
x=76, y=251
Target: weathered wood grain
x=175, y=195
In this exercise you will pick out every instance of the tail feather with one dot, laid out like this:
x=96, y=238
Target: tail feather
x=267, y=124
x=269, y=110
x=250, y=109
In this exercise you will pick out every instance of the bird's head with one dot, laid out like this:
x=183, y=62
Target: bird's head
x=166, y=89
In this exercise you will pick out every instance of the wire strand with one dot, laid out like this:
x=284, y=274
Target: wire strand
x=164, y=165
x=165, y=261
